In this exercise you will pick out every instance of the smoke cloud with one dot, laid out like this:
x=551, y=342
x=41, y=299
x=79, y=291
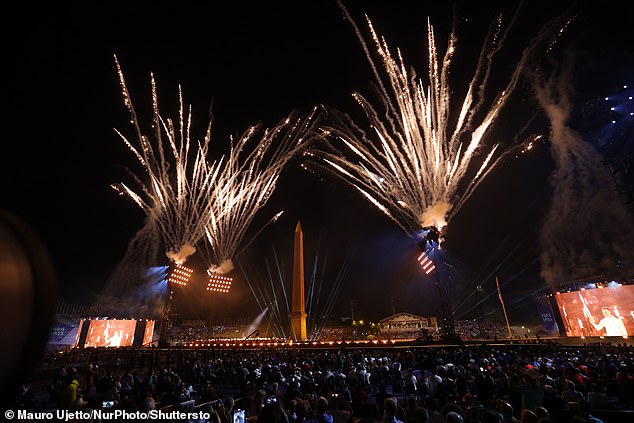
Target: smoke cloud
x=436, y=215
x=587, y=228
x=181, y=255
x=131, y=291
x=225, y=267
x=255, y=323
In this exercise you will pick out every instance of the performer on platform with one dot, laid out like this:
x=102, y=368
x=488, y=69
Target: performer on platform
x=613, y=325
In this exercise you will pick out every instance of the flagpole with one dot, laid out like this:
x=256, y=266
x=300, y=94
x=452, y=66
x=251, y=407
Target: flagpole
x=503, y=308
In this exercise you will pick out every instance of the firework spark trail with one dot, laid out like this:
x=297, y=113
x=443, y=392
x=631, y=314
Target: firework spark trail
x=175, y=196
x=414, y=164
x=187, y=199
x=245, y=180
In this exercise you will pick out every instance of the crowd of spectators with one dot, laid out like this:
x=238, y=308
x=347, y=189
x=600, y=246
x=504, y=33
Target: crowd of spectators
x=480, y=329
x=192, y=331
x=335, y=333
x=409, y=334
x=195, y=330
x=510, y=383
x=188, y=331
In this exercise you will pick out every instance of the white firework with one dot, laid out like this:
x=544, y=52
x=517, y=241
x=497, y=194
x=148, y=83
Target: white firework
x=173, y=190
x=188, y=198
x=419, y=162
x=246, y=178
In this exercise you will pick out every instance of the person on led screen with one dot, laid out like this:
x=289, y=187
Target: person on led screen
x=115, y=340
x=613, y=325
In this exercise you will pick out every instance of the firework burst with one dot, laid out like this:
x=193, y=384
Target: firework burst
x=174, y=188
x=187, y=198
x=243, y=181
x=420, y=162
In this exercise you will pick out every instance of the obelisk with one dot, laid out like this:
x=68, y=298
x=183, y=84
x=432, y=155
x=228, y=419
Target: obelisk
x=298, y=310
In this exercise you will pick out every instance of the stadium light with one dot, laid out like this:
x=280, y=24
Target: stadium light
x=426, y=263
x=218, y=283
x=179, y=275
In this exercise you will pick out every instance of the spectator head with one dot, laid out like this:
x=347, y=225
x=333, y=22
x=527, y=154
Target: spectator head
x=302, y=408
x=468, y=398
x=507, y=411
x=453, y=417
x=149, y=403
x=441, y=371
x=421, y=415
x=570, y=385
x=541, y=412
x=322, y=405
x=527, y=416
x=390, y=406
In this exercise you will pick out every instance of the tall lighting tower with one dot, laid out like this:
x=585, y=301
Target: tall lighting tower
x=430, y=262
x=177, y=276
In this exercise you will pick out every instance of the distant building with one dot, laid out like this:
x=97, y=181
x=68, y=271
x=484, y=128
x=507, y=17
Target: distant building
x=408, y=325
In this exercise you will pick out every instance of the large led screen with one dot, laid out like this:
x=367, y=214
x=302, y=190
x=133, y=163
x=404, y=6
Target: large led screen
x=149, y=332
x=607, y=311
x=110, y=333
x=114, y=333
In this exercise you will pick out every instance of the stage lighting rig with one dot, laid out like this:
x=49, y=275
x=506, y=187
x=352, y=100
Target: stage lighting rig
x=426, y=263
x=431, y=262
x=429, y=239
x=218, y=283
x=430, y=235
x=179, y=274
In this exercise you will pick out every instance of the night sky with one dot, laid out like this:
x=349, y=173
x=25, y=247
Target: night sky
x=258, y=61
